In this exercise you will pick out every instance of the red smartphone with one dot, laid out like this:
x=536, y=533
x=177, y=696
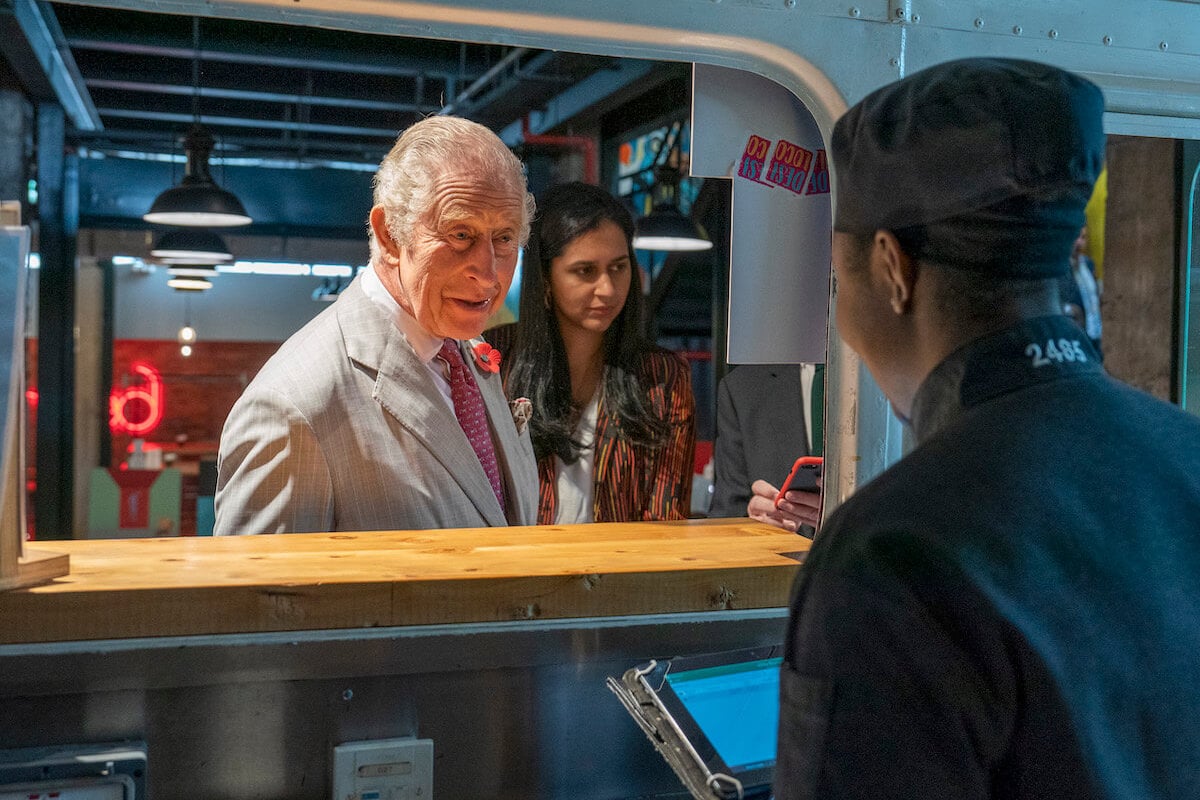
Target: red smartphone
x=803, y=477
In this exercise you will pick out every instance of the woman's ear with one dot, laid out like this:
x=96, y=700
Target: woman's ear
x=388, y=247
x=896, y=269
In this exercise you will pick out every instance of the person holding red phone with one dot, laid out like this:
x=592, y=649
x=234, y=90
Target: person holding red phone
x=768, y=415
x=791, y=510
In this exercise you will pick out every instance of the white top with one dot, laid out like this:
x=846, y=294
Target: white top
x=573, y=482
x=422, y=342
x=807, y=373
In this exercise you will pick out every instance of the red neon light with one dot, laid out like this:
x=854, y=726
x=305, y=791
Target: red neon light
x=134, y=420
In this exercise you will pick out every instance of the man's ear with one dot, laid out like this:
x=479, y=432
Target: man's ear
x=896, y=268
x=388, y=247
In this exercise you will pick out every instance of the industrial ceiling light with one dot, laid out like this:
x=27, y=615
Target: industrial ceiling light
x=197, y=201
x=665, y=227
x=189, y=284
x=192, y=271
x=187, y=334
x=191, y=246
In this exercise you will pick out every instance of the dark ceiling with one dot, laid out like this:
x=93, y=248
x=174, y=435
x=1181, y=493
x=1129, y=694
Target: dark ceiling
x=302, y=115
x=278, y=91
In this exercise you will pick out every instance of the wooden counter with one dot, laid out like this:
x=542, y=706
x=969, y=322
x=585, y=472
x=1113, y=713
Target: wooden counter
x=172, y=587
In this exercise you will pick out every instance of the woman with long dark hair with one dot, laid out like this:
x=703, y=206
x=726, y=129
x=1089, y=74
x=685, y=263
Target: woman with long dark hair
x=613, y=421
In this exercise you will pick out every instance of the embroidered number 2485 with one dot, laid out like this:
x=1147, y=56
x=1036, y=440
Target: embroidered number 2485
x=1058, y=352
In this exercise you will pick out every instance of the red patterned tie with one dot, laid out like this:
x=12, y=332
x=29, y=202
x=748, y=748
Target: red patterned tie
x=468, y=407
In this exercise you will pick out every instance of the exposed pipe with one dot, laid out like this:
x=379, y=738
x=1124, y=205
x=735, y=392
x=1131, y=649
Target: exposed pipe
x=434, y=68
x=269, y=97
x=466, y=94
x=591, y=163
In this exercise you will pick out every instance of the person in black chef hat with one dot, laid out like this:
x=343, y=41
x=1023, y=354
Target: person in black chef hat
x=1013, y=609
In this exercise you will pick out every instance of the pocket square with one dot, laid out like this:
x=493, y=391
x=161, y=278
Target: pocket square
x=522, y=410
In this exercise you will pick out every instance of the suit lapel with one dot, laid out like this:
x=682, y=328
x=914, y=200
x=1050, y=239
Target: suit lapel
x=518, y=467
x=406, y=391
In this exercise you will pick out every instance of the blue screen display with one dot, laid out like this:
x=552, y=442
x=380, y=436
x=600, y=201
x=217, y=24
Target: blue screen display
x=737, y=707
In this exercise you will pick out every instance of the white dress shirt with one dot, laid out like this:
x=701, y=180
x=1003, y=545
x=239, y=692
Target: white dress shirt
x=573, y=482
x=422, y=342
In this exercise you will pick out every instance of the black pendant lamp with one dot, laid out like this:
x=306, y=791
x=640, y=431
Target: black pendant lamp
x=665, y=227
x=190, y=284
x=197, y=201
x=191, y=246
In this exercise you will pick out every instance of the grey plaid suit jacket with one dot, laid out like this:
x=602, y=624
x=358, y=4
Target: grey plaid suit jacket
x=343, y=429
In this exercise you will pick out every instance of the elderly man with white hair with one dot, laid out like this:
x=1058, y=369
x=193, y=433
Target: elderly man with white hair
x=385, y=412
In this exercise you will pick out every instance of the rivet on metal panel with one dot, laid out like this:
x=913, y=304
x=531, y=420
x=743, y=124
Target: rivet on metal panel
x=1162, y=45
x=895, y=62
x=1107, y=40
x=900, y=10
x=854, y=12
x=978, y=22
x=1053, y=34
x=916, y=18
x=790, y=3
x=1017, y=29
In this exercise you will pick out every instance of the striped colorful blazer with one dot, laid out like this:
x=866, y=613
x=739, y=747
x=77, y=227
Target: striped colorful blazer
x=634, y=483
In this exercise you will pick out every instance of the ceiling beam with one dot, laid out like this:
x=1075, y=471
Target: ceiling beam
x=465, y=96
x=401, y=66
x=38, y=46
x=270, y=97
x=245, y=122
x=581, y=96
x=230, y=144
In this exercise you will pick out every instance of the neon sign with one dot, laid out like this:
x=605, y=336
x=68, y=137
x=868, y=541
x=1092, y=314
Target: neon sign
x=136, y=410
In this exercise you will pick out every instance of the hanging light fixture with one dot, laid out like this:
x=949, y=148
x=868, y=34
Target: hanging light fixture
x=193, y=271
x=191, y=246
x=189, y=284
x=197, y=200
x=187, y=334
x=187, y=338
x=665, y=227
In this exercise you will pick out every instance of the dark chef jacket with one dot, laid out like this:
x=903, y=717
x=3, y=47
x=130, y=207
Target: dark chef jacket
x=1013, y=610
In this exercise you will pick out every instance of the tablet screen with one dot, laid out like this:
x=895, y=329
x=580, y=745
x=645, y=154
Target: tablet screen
x=736, y=706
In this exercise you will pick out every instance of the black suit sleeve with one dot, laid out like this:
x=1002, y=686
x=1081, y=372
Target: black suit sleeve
x=731, y=478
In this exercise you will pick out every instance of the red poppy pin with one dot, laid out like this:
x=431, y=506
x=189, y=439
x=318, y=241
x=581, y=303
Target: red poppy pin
x=487, y=358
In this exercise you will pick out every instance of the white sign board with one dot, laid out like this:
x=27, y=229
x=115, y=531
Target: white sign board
x=760, y=135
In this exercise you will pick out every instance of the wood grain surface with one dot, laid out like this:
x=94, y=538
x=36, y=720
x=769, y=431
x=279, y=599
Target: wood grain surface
x=170, y=587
